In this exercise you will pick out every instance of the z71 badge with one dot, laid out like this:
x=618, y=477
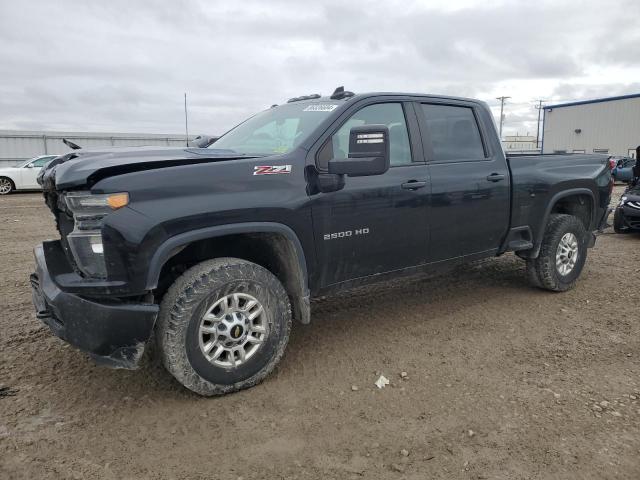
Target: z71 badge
x=271, y=169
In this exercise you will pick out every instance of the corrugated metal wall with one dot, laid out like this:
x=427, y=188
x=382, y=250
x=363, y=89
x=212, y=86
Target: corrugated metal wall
x=16, y=146
x=611, y=125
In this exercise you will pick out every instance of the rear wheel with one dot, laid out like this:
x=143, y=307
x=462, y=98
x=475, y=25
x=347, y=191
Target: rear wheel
x=562, y=254
x=223, y=326
x=6, y=186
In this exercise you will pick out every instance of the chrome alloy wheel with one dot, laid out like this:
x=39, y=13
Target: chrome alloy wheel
x=5, y=186
x=232, y=330
x=567, y=253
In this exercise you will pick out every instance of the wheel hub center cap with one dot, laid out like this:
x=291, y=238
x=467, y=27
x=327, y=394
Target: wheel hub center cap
x=236, y=332
x=233, y=327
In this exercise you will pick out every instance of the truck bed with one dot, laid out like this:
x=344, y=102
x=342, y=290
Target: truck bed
x=537, y=180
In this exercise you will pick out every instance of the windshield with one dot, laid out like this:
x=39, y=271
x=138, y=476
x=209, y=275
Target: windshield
x=39, y=162
x=277, y=130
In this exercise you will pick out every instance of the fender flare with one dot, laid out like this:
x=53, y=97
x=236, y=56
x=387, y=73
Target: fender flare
x=164, y=251
x=558, y=196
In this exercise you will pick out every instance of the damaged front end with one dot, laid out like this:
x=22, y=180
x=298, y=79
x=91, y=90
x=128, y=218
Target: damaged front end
x=70, y=291
x=114, y=332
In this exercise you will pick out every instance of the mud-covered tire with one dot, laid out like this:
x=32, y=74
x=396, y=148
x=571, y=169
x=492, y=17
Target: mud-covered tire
x=618, y=222
x=532, y=273
x=181, y=313
x=542, y=271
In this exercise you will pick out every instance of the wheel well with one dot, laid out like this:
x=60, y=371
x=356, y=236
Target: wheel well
x=579, y=205
x=273, y=251
x=13, y=184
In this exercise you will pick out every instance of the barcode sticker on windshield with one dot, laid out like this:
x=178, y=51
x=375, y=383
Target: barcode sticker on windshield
x=321, y=107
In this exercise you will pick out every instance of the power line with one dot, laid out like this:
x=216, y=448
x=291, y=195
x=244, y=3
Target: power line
x=502, y=99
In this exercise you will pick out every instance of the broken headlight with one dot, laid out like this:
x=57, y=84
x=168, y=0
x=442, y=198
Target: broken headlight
x=85, y=241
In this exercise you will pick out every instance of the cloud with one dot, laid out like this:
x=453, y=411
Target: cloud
x=124, y=66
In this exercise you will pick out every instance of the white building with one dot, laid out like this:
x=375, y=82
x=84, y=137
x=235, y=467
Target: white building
x=520, y=143
x=605, y=125
x=16, y=145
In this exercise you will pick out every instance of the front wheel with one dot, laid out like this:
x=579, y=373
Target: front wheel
x=223, y=326
x=562, y=254
x=618, y=222
x=6, y=186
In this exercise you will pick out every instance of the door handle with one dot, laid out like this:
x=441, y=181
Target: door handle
x=495, y=177
x=413, y=185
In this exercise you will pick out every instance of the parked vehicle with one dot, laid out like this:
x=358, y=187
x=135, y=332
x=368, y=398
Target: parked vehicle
x=627, y=214
x=216, y=249
x=23, y=176
x=626, y=218
x=623, y=171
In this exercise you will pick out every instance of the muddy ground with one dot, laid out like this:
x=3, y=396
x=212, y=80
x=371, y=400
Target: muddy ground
x=503, y=382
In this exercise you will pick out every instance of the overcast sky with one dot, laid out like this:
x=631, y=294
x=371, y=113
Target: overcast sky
x=123, y=66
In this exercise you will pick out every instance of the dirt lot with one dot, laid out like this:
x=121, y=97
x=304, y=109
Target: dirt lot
x=504, y=381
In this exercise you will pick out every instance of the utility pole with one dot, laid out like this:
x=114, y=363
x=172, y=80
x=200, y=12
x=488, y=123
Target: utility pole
x=539, y=108
x=186, y=121
x=502, y=99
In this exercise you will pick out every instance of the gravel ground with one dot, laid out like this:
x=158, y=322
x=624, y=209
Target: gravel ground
x=502, y=382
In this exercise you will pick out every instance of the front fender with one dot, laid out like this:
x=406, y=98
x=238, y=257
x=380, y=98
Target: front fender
x=166, y=249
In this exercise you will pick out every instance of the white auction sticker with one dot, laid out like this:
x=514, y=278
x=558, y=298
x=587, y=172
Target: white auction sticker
x=321, y=107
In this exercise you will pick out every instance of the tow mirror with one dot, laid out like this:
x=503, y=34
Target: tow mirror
x=368, y=152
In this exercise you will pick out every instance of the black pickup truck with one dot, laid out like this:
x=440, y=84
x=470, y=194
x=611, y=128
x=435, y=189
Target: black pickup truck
x=215, y=250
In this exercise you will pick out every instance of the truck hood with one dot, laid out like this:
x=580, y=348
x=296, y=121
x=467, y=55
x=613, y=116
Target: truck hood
x=84, y=167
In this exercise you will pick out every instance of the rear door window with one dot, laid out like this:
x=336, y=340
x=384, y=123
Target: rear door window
x=454, y=133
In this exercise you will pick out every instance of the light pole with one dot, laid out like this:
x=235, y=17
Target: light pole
x=539, y=108
x=186, y=121
x=502, y=99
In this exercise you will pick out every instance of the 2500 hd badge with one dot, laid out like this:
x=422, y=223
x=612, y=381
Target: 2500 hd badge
x=346, y=233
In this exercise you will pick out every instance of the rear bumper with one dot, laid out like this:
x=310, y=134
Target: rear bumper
x=112, y=332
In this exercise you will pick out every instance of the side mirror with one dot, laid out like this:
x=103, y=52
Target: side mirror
x=368, y=152
x=29, y=165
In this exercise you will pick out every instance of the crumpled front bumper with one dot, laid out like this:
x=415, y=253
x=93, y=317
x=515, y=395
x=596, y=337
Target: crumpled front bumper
x=113, y=332
x=630, y=216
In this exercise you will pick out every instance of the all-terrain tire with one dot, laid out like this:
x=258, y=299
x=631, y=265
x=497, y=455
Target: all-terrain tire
x=532, y=273
x=181, y=313
x=618, y=222
x=542, y=271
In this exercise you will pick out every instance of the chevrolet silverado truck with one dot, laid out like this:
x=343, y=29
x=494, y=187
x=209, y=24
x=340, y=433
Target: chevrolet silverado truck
x=213, y=251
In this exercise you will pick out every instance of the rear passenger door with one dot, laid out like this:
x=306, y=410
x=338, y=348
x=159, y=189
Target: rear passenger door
x=469, y=202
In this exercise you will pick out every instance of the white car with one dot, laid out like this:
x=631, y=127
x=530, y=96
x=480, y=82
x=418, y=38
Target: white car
x=24, y=175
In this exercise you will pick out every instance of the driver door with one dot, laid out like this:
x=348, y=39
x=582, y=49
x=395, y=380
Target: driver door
x=378, y=223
